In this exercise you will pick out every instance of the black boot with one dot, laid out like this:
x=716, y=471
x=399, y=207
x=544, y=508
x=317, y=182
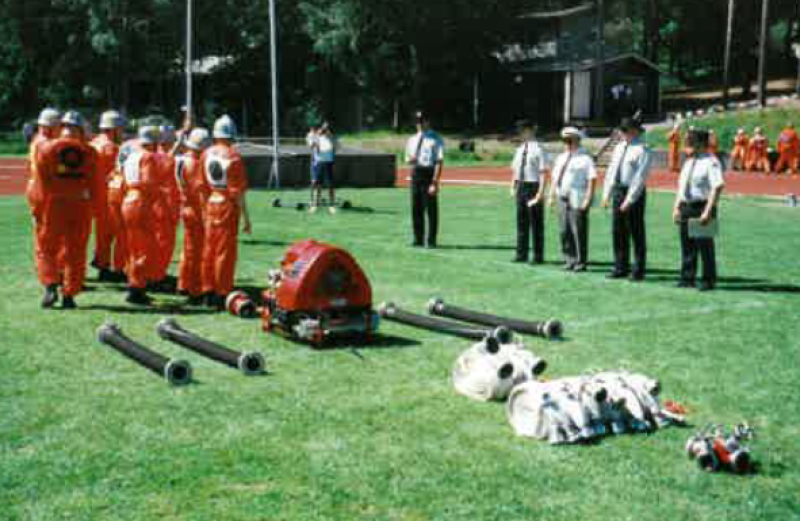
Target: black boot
x=105, y=275
x=50, y=296
x=138, y=297
x=196, y=300
x=68, y=303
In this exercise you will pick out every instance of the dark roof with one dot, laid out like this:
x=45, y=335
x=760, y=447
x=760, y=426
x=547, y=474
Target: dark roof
x=563, y=13
x=582, y=65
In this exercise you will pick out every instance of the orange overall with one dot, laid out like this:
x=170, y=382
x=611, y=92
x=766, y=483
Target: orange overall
x=788, y=148
x=107, y=152
x=33, y=192
x=166, y=213
x=141, y=190
x=674, y=154
x=194, y=194
x=223, y=171
x=741, y=143
x=758, y=154
x=66, y=169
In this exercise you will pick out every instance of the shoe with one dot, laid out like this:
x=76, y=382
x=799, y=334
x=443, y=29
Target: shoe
x=313, y=209
x=685, y=284
x=105, y=275
x=68, y=303
x=416, y=244
x=138, y=297
x=119, y=276
x=431, y=246
x=638, y=277
x=331, y=210
x=579, y=268
x=537, y=261
x=519, y=259
x=214, y=301
x=196, y=300
x=617, y=275
x=50, y=296
x=569, y=267
x=705, y=286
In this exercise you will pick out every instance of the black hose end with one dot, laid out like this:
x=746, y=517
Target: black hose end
x=539, y=367
x=108, y=331
x=165, y=325
x=492, y=344
x=553, y=329
x=178, y=372
x=435, y=305
x=506, y=371
x=251, y=364
x=503, y=335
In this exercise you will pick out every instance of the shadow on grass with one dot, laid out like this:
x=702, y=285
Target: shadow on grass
x=379, y=341
x=257, y=242
x=476, y=247
x=157, y=310
x=762, y=288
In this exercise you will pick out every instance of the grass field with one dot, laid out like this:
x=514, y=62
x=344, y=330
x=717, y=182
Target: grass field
x=379, y=433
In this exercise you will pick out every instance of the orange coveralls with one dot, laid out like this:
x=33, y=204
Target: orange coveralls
x=107, y=152
x=788, y=148
x=741, y=144
x=674, y=154
x=758, y=154
x=194, y=194
x=223, y=171
x=167, y=215
x=66, y=169
x=33, y=192
x=141, y=174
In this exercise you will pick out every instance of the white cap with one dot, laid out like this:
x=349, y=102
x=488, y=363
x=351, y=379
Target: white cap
x=198, y=139
x=758, y=130
x=225, y=128
x=571, y=132
x=49, y=117
x=167, y=133
x=110, y=120
x=149, y=135
x=740, y=131
x=73, y=118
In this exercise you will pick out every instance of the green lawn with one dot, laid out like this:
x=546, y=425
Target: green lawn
x=379, y=433
x=772, y=121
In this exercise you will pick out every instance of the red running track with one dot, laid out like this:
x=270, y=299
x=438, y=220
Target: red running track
x=14, y=175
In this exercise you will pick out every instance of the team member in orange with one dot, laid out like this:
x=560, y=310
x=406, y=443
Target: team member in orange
x=674, y=154
x=758, y=159
x=66, y=167
x=741, y=143
x=223, y=170
x=194, y=194
x=788, y=148
x=141, y=173
x=49, y=126
x=107, y=146
x=167, y=209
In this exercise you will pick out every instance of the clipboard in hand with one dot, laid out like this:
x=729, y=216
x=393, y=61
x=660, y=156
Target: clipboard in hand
x=700, y=231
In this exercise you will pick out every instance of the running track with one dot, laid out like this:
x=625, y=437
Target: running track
x=14, y=174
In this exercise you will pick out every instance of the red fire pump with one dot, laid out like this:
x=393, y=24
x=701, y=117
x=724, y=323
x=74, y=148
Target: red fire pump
x=319, y=293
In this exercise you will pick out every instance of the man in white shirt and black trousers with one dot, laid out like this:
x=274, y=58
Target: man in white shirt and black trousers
x=573, y=183
x=625, y=191
x=528, y=188
x=699, y=189
x=425, y=154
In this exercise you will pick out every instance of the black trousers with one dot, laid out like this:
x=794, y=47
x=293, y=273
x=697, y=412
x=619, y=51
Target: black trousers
x=690, y=248
x=530, y=222
x=627, y=227
x=423, y=203
x=574, y=225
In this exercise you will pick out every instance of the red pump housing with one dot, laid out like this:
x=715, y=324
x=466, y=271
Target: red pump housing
x=320, y=292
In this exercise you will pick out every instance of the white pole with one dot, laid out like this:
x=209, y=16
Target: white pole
x=275, y=130
x=189, y=101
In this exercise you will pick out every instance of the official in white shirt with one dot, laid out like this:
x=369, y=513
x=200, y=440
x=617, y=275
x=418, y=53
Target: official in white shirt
x=323, y=146
x=528, y=180
x=699, y=189
x=625, y=191
x=573, y=184
x=425, y=155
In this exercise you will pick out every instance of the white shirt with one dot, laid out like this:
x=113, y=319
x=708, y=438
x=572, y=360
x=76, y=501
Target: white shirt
x=536, y=162
x=431, y=151
x=326, y=145
x=699, y=177
x=312, y=140
x=630, y=164
x=572, y=173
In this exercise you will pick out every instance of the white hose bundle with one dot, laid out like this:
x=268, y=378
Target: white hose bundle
x=569, y=410
x=489, y=370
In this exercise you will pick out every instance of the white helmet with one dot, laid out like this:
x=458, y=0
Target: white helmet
x=571, y=132
x=49, y=117
x=149, y=135
x=73, y=118
x=225, y=128
x=167, y=133
x=198, y=139
x=111, y=120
